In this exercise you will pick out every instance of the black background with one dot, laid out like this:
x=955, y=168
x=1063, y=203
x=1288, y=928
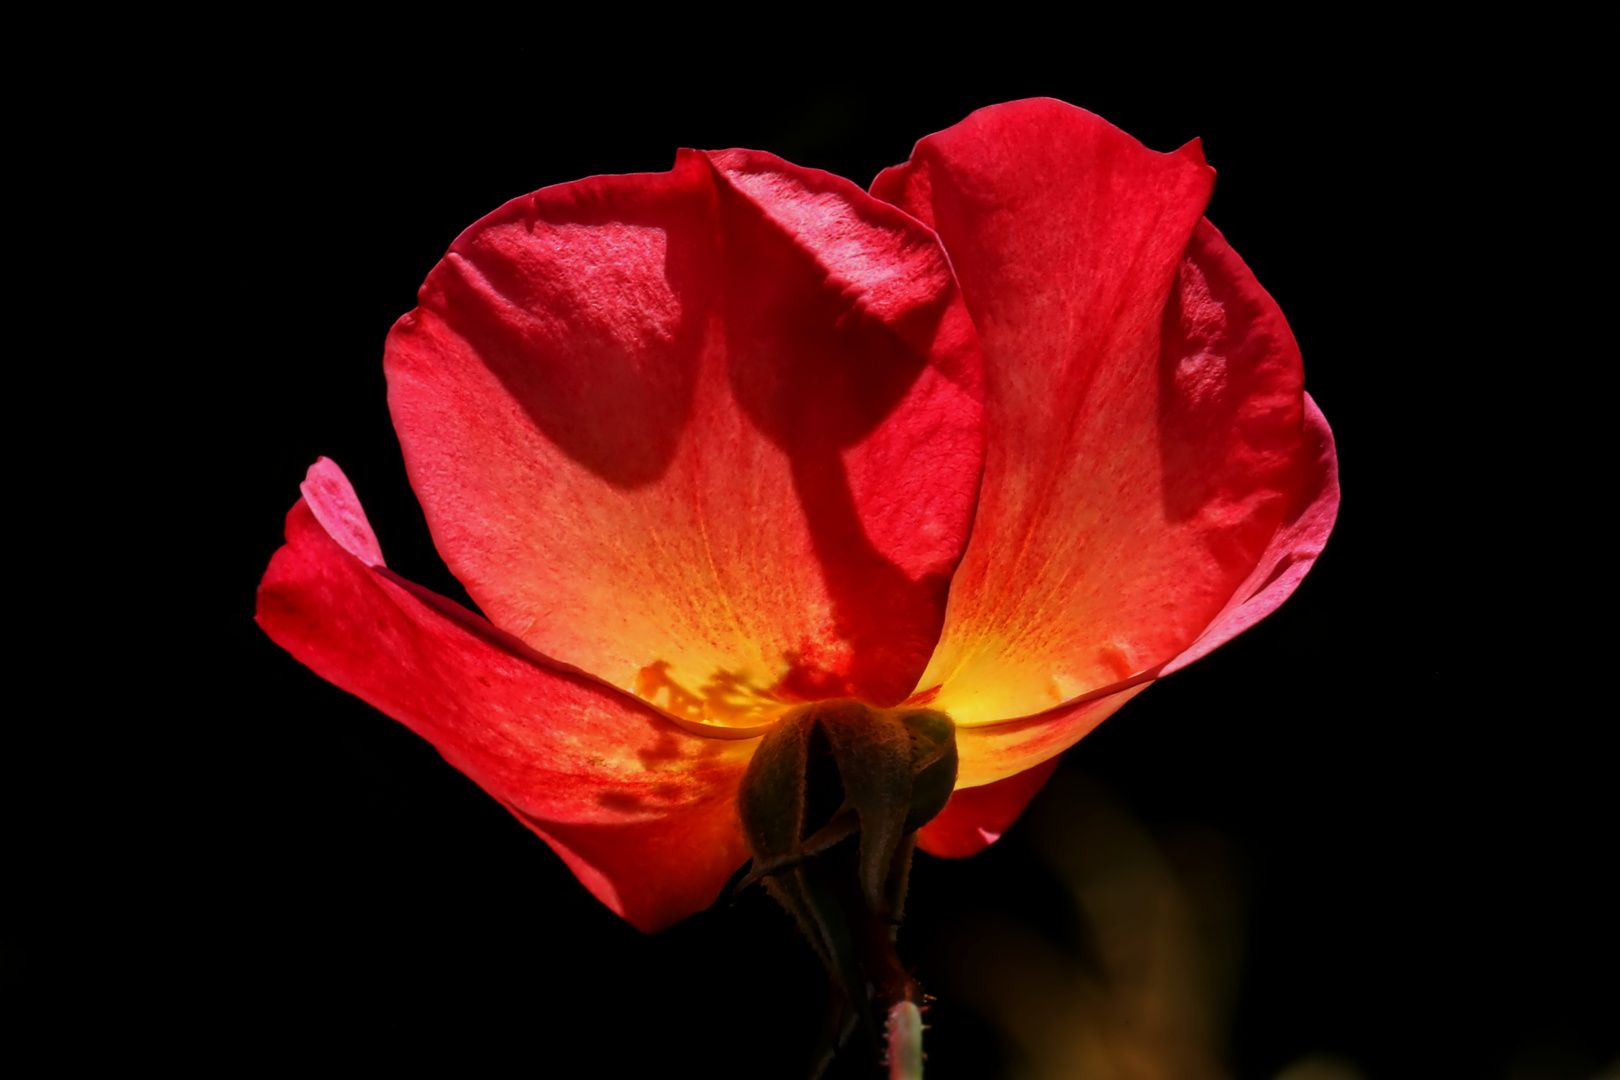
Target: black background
x=1404, y=757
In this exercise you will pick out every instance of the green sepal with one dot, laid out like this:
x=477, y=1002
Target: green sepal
x=822, y=773
x=896, y=769
x=821, y=895
x=933, y=764
x=772, y=800
x=873, y=751
x=840, y=827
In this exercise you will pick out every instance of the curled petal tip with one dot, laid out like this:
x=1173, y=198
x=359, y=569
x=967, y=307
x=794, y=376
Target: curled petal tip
x=332, y=500
x=642, y=811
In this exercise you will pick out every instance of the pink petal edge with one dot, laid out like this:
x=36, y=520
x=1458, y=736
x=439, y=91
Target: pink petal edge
x=642, y=811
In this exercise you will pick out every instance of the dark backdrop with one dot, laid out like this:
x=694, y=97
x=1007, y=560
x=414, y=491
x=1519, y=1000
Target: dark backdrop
x=1411, y=799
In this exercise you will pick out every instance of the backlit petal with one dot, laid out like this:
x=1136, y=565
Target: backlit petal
x=991, y=752
x=1146, y=417
x=976, y=817
x=1293, y=548
x=713, y=435
x=643, y=812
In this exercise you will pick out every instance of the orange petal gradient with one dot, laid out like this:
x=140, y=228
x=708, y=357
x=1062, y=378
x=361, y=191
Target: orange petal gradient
x=712, y=435
x=1147, y=425
x=642, y=811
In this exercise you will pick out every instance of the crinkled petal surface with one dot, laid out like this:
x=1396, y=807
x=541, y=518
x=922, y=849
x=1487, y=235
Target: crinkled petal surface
x=1151, y=457
x=712, y=435
x=641, y=810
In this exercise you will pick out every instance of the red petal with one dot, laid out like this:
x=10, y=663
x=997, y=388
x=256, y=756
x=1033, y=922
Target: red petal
x=1147, y=424
x=1293, y=548
x=976, y=817
x=642, y=811
x=712, y=435
x=991, y=752
x=995, y=752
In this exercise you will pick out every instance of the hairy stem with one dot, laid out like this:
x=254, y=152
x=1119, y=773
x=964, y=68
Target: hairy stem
x=905, y=1041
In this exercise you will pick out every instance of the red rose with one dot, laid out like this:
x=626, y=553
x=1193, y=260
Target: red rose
x=1008, y=437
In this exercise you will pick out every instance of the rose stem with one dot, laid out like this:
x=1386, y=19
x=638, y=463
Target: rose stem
x=905, y=1041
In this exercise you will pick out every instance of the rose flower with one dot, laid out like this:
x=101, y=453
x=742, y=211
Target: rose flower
x=1002, y=440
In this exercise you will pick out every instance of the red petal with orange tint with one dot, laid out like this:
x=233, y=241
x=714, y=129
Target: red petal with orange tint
x=712, y=435
x=643, y=812
x=976, y=817
x=1293, y=548
x=1148, y=437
